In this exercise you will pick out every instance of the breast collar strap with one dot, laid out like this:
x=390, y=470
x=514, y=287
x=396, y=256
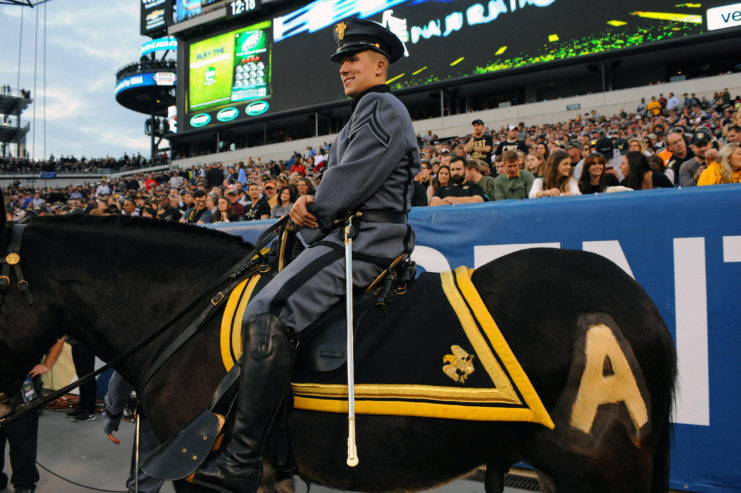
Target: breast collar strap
x=13, y=259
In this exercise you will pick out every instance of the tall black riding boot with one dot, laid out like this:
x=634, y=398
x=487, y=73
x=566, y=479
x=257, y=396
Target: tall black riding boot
x=267, y=363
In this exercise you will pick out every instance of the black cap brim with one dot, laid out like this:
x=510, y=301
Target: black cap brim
x=357, y=47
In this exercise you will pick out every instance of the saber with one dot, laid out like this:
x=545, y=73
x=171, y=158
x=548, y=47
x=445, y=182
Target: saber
x=352, y=451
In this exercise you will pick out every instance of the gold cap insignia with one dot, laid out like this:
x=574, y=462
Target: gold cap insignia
x=12, y=258
x=340, y=30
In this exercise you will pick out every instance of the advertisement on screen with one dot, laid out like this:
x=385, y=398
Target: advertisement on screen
x=185, y=9
x=155, y=16
x=146, y=79
x=445, y=41
x=232, y=67
x=159, y=44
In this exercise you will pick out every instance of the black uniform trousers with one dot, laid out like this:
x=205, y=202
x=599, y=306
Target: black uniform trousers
x=22, y=436
x=84, y=361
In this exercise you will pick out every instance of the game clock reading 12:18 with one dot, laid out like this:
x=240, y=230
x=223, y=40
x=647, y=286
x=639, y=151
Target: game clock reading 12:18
x=239, y=7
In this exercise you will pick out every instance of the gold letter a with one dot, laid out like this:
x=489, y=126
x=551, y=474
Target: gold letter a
x=607, y=379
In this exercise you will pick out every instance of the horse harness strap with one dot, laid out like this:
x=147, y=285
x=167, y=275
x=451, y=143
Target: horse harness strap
x=243, y=270
x=196, y=324
x=248, y=265
x=13, y=259
x=214, y=301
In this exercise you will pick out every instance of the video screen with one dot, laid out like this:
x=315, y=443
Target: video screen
x=286, y=67
x=156, y=15
x=186, y=9
x=231, y=67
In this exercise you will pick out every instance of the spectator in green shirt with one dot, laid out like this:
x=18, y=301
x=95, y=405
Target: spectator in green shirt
x=513, y=183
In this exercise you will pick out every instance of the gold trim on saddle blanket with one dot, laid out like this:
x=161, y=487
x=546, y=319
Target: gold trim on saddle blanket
x=231, y=321
x=511, y=398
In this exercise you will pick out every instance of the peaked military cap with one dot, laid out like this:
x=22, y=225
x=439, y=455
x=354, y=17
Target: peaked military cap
x=353, y=35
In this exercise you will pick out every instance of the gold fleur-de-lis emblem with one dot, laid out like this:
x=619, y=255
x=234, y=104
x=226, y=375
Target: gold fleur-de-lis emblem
x=458, y=365
x=340, y=30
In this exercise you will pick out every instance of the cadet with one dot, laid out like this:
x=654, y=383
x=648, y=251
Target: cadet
x=370, y=169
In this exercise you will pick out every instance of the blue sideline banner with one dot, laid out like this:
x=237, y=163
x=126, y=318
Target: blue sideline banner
x=682, y=246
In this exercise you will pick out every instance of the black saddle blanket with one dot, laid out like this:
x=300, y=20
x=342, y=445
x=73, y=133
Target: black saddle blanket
x=435, y=351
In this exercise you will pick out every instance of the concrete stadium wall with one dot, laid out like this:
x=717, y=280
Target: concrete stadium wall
x=606, y=103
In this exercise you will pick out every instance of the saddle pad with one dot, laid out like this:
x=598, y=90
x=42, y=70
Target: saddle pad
x=437, y=352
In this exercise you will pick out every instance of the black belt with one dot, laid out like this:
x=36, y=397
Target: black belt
x=384, y=217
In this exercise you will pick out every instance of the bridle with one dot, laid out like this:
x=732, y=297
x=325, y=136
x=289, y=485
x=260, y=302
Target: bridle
x=13, y=260
x=213, y=297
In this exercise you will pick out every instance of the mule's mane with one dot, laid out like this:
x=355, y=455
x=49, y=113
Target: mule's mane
x=121, y=223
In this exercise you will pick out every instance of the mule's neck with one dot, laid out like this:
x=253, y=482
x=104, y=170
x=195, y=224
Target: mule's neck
x=110, y=282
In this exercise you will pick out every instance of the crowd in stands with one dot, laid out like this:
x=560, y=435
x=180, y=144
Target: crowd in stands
x=680, y=141
x=71, y=164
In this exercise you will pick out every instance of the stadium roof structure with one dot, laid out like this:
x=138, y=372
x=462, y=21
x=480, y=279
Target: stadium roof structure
x=23, y=3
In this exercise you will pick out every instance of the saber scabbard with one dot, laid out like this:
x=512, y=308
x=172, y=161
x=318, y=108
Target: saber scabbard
x=352, y=451
x=137, y=438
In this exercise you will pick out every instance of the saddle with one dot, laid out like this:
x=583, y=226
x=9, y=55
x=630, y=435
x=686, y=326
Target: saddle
x=322, y=345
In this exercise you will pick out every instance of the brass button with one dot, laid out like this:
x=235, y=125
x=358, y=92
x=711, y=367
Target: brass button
x=12, y=258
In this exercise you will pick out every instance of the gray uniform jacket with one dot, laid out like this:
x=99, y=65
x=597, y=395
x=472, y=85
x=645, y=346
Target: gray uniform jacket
x=371, y=166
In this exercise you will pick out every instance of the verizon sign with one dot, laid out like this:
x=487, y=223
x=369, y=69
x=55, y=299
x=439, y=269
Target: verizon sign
x=724, y=17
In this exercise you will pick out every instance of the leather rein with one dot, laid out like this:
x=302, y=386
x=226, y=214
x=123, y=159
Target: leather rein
x=215, y=294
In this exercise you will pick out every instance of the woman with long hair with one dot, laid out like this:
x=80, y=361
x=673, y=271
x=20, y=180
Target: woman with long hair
x=442, y=179
x=286, y=198
x=638, y=175
x=298, y=166
x=224, y=212
x=535, y=164
x=726, y=170
x=542, y=149
x=593, y=178
x=558, y=180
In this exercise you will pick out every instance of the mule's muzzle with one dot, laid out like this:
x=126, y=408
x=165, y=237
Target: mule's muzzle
x=4, y=405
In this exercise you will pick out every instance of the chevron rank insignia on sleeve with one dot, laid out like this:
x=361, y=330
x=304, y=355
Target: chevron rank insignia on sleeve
x=372, y=121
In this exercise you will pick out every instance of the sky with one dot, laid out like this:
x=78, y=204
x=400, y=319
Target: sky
x=87, y=42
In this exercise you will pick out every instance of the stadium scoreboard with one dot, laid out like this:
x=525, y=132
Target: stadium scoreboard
x=240, y=7
x=280, y=63
x=156, y=15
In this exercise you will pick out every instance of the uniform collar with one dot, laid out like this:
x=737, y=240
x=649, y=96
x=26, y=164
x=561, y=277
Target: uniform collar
x=378, y=88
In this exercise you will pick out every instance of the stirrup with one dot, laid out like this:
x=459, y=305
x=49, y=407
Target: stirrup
x=184, y=452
